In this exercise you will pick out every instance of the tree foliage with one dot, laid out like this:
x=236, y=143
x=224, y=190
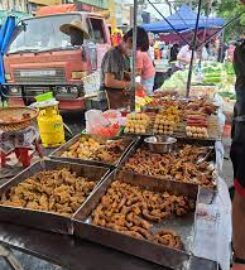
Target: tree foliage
x=227, y=9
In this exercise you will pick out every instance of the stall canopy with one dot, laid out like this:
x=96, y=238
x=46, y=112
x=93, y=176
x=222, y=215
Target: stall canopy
x=183, y=19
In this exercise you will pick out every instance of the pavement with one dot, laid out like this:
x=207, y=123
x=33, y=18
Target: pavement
x=75, y=121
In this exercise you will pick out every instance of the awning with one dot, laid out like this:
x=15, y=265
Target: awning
x=184, y=19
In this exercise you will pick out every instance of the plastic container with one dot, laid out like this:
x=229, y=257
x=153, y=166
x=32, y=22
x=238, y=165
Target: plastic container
x=44, y=97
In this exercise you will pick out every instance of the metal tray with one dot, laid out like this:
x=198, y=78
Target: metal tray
x=58, y=152
x=42, y=219
x=165, y=256
x=216, y=159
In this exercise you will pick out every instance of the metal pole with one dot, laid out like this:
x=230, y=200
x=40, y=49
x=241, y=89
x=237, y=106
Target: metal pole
x=133, y=84
x=194, y=41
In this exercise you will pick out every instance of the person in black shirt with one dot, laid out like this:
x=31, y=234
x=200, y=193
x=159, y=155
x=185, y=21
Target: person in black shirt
x=174, y=52
x=115, y=68
x=238, y=160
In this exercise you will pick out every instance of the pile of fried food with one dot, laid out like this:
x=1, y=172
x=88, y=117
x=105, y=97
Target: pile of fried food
x=137, y=123
x=92, y=149
x=14, y=119
x=201, y=106
x=180, y=166
x=131, y=210
x=56, y=191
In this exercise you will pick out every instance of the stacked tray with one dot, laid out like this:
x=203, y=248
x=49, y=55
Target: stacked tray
x=206, y=145
x=167, y=256
x=42, y=219
x=59, y=154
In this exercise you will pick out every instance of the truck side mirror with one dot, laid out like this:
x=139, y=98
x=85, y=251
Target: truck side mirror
x=22, y=26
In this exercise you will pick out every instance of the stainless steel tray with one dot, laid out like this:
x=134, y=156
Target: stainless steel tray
x=165, y=256
x=215, y=159
x=42, y=219
x=58, y=152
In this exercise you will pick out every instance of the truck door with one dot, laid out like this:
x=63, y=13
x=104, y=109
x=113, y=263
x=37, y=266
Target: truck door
x=100, y=35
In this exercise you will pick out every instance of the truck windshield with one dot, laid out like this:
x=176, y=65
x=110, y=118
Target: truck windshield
x=40, y=34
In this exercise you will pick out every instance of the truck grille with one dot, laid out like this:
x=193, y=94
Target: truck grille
x=53, y=75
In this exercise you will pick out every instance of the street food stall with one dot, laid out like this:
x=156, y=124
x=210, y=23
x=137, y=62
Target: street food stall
x=149, y=192
x=135, y=190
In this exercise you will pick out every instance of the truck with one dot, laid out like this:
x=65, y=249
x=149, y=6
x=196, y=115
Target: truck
x=41, y=58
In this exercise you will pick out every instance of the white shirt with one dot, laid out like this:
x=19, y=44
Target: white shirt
x=151, y=53
x=185, y=52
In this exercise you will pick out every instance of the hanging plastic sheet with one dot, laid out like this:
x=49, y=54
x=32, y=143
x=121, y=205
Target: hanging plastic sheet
x=6, y=33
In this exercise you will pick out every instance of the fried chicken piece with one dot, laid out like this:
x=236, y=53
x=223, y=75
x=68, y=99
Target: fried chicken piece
x=168, y=238
x=145, y=233
x=133, y=234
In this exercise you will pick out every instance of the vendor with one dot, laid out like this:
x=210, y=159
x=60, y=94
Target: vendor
x=238, y=159
x=115, y=69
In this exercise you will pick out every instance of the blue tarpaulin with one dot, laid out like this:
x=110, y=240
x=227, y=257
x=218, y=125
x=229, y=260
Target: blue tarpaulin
x=6, y=33
x=183, y=19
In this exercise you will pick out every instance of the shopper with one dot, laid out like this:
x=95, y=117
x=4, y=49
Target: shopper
x=146, y=71
x=151, y=46
x=115, y=68
x=238, y=160
x=185, y=53
x=174, y=52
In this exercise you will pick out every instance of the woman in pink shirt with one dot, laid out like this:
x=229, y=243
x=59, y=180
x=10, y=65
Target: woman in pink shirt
x=146, y=70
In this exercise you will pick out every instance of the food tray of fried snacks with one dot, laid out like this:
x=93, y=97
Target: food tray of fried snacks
x=47, y=194
x=153, y=220
x=181, y=118
x=189, y=163
x=187, y=106
x=139, y=123
x=16, y=118
x=89, y=149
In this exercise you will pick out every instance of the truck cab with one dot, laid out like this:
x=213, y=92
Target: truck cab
x=41, y=58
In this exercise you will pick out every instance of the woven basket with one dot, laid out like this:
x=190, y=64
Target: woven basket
x=12, y=118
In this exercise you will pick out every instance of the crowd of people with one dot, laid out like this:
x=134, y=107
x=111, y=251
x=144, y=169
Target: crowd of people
x=177, y=55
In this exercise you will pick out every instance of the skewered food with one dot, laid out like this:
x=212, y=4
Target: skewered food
x=201, y=106
x=92, y=149
x=197, y=126
x=180, y=166
x=137, y=123
x=166, y=121
x=57, y=191
x=133, y=211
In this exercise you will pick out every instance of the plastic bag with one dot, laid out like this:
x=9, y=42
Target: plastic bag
x=105, y=124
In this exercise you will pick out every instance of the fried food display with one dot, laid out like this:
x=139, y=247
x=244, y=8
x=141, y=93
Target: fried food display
x=197, y=126
x=180, y=166
x=201, y=106
x=91, y=149
x=166, y=121
x=133, y=211
x=137, y=123
x=56, y=191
